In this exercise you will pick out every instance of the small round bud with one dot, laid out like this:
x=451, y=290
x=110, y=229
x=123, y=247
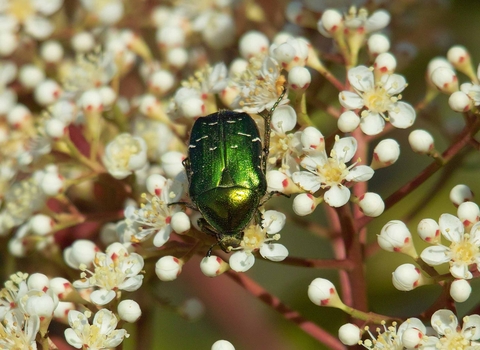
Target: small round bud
x=371, y=204
x=41, y=224
x=406, y=277
x=468, y=213
x=222, y=345
x=237, y=67
x=155, y=184
x=348, y=121
x=61, y=287
x=168, y=268
x=349, y=334
x=51, y=51
x=81, y=252
x=19, y=116
x=299, y=78
x=129, y=310
x=396, y=237
x=385, y=63
x=331, y=21
x=460, y=102
x=52, y=183
x=459, y=57
x=9, y=43
x=435, y=63
x=377, y=44
x=172, y=163
x=280, y=182
x=108, y=96
x=212, y=266
x=47, y=92
x=252, y=43
x=460, y=194
x=445, y=80
x=460, y=290
x=192, y=309
x=385, y=153
x=169, y=37
x=38, y=281
x=192, y=107
x=411, y=338
x=429, y=231
x=312, y=140
x=83, y=42
x=322, y=292
x=304, y=204
x=180, y=222
x=55, y=128
x=61, y=311
x=177, y=57
x=91, y=101
x=30, y=76
x=421, y=141
x=161, y=82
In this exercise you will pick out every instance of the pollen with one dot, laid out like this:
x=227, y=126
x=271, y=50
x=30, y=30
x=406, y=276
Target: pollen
x=464, y=251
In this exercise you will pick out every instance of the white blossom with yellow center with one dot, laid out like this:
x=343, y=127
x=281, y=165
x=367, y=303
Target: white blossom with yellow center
x=464, y=249
x=101, y=334
x=450, y=336
x=125, y=154
x=330, y=173
x=114, y=270
x=18, y=331
x=379, y=99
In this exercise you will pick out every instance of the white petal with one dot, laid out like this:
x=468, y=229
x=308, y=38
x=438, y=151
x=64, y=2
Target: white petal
x=307, y=181
x=435, y=255
x=102, y=296
x=131, y=284
x=337, y=196
x=472, y=324
x=38, y=27
x=402, y=115
x=345, y=148
x=72, y=338
x=241, y=261
x=312, y=161
x=274, y=221
x=105, y=320
x=378, y=20
x=274, y=251
x=393, y=83
x=350, y=100
x=361, y=78
x=475, y=234
x=284, y=119
x=47, y=7
x=451, y=227
x=372, y=124
x=459, y=270
x=443, y=320
x=360, y=173
x=162, y=236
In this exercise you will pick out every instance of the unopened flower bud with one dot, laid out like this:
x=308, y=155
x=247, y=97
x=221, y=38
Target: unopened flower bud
x=299, y=78
x=168, y=268
x=19, y=116
x=322, y=292
x=412, y=338
x=51, y=51
x=155, y=184
x=237, y=67
x=41, y=224
x=161, y=82
x=192, y=107
x=212, y=266
x=30, y=76
x=81, y=252
x=348, y=121
x=83, y=42
x=38, y=281
x=55, y=128
x=280, y=182
x=460, y=193
x=91, y=101
x=445, y=80
x=47, y=92
x=170, y=36
x=180, y=222
x=108, y=96
x=421, y=142
x=177, y=57
x=253, y=43
x=52, y=183
x=61, y=287
x=312, y=140
x=429, y=231
x=377, y=44
x=172, y=163
x=371, y=204
x=222, y=345
x=435, y=63
x=407, y=277
x=385, y=153
x=460, y=290
x=129, y=310
x=349, y=334
x=396, y=237
x=305, y=204
x=468, y=213
x=331, y=22
x=385, y=63
x=9, y=43
x=61, y=311
x=459, y=57
x=460, y=102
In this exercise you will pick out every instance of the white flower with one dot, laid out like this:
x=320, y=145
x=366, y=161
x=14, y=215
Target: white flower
x=463, y=250
x=331, y=173
x=379, y=100
x=450, y=336
x=114, y=270
x=391, y=337
x=125, y=154
x=18, y=331
x=101, y=334
x=15, y=289
x=259, y=86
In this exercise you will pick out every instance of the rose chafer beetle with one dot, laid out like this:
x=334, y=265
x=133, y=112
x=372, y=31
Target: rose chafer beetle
x=226, y=168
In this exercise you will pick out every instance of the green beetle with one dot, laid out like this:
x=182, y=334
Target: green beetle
x=226, y=167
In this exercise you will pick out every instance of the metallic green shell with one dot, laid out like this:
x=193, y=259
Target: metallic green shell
x=225, y=170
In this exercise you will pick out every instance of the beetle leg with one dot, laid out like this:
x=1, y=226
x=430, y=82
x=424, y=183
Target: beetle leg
x=186, y=204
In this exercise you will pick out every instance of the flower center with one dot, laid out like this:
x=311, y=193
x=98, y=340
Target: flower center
x=464, y=251
x=333, y=172
x=377, y=100
x=126, y=147
x=253, y=238
x=21, y=9
x=453, y=340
